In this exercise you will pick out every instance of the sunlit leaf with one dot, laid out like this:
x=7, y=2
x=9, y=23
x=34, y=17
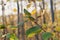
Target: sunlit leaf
x=33, y=31
x=54, y=34
x=33, y=12
x=11, y=39
x=29, y=5
x=44, y=25
x=46, y=35
x=14, y=10
x=57, y=29
x=13, y=36
x=13, y=27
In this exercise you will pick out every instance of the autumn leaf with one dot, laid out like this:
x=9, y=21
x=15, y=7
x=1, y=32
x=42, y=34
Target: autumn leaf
x=33, y=12
x=14, y=10
x=57, y=29
x=29, y=5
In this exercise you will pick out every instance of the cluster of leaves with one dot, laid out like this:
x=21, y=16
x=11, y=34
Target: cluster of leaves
x=31, y=31
x=2, y=26
x=37, y=29
x=10, y=36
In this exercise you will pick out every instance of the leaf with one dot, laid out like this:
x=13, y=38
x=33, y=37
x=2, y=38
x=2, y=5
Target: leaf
x=33, y=12
x=11, y=39
x=2, y=26
x=8, y=35
x=57, y=29
x=14, y=10
x=54, y=34
x=13, y=36
x=46, y=35
x=44, y=26
x=30, y=18
x=33, y=31
x=13, y=27
x=27, y=13
x=29, y=5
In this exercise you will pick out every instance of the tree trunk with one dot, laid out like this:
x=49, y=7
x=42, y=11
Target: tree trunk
x=52, y=11
x=3, y=9
x=20, y=19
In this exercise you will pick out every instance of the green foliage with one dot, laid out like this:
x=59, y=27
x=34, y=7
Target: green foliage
x=46, y=35
x=11, y=36
x=27, y=13
x=8, y=35
x=30, y=18
x=33, y=31
x=57, y=28
x=2, y=26
x=13, y=27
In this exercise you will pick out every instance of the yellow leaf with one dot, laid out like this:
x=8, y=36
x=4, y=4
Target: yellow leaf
x=28, y=6
x=13, y=28
x=57, y=29
x=33, y=12
x=11, y=39
x=53, y=34
x=31, y=35
x=44, y=26
x=14, y=10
